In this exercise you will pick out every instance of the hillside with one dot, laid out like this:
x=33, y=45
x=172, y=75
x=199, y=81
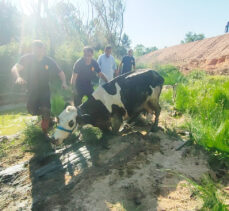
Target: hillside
x=211, y=54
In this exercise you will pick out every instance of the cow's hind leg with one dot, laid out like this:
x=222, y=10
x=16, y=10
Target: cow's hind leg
x=157, y=110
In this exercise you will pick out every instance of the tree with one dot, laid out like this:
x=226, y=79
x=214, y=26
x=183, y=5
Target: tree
x=141, y=50
x=9, y=19
x=191, y=37
x=121, y=50
x=111, y=16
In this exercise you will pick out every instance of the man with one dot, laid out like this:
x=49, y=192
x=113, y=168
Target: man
x=34, y=70
x=226, y=27
x=84, y=71
x=107, y=64
x=127, y=63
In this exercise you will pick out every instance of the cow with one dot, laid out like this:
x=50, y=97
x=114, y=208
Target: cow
x=123, y=98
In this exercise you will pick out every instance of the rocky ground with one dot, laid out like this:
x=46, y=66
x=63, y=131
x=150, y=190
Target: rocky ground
x=211, y=54
x=140, y=171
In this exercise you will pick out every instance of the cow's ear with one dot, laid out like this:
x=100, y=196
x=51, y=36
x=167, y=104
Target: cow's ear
x=83, y=119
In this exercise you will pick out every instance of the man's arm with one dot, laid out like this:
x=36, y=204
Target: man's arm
x=134, y=66
x=120, y=67
x=16, y=74
x=73, y=81
x=115, y=69
x=63, y=79
x=101, y=75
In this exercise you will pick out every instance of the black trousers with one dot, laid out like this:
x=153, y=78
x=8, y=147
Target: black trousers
x=80, y=93
x=38, y=103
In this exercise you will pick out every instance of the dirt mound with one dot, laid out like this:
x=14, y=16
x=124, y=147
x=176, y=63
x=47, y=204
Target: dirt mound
x=140, y=171
x=211, y=54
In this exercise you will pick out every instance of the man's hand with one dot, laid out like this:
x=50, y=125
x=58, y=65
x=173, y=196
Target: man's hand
x=20, y=81
x=64, y=86
x=101, y=75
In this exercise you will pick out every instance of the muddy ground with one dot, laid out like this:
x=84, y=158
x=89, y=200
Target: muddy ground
x=138, y=171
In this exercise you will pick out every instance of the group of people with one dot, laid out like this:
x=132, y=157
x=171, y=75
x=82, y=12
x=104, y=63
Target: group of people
x=34, y=70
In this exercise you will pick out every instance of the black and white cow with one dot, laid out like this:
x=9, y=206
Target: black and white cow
x=123, y=98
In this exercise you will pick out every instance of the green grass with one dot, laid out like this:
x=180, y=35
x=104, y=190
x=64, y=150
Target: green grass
x=210, y=192
x=171, y=74
x=206, y=99
x=35, y=141
x=91, y=134
x=11, y=124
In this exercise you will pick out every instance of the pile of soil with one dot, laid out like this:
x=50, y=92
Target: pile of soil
x=211, y=55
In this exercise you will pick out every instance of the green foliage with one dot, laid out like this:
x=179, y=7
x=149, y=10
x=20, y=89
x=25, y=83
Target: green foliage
x=9, y=22
x=196, y=75
x=171, y=74
x=213, y=198
x=57, y=104
x=8, y=56
x=141, y=50
x=141, y=66
x=91, y=134
x=35, y=141
x=191, y=37
x=206, y=99
x=167, y=96
x=207, y=103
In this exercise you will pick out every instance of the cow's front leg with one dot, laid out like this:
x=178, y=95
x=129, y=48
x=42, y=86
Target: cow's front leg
x=116, y=121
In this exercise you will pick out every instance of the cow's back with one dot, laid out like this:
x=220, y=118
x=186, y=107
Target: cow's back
x=136, y=87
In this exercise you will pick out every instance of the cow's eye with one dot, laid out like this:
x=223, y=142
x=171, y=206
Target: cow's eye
x=71, y=123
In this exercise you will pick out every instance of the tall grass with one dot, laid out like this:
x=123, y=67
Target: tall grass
x=206, y=99
x=211, y=194
x=171, y=74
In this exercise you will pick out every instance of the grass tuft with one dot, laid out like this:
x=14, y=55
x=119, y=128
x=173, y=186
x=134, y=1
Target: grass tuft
x=91, y=134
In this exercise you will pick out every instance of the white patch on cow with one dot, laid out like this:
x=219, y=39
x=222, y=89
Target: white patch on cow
x=153, y=98
x=108, y=100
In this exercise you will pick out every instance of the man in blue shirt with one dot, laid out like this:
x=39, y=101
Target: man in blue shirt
x=127, y=63
x=107, y=65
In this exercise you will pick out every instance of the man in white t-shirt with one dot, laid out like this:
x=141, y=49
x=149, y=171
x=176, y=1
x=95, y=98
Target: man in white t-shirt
x=107, y=65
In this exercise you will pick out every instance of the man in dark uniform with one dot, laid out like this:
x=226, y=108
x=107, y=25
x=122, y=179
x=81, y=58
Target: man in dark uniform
x=36, y=69
x=84, y=71
x=226, y=27
x=127, y=63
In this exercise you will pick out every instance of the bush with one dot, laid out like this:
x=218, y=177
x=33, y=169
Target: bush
x=91, y=134
x=208, y=104
x=8, y=57
x=171, y=74
x=35, y=141
x=167, y=96
x=57, y=104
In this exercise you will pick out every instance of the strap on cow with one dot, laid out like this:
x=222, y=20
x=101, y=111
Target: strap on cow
x=66, y=130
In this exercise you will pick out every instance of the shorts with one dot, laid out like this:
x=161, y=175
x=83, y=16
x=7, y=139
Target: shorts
x=39, y=103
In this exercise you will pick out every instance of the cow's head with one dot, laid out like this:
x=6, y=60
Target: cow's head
x=67, y=122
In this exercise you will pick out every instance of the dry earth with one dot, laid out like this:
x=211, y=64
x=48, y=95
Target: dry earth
x=140, y=171
x=211, y=54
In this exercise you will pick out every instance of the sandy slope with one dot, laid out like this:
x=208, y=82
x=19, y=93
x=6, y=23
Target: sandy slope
x=138, y=172
x=211, y=54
